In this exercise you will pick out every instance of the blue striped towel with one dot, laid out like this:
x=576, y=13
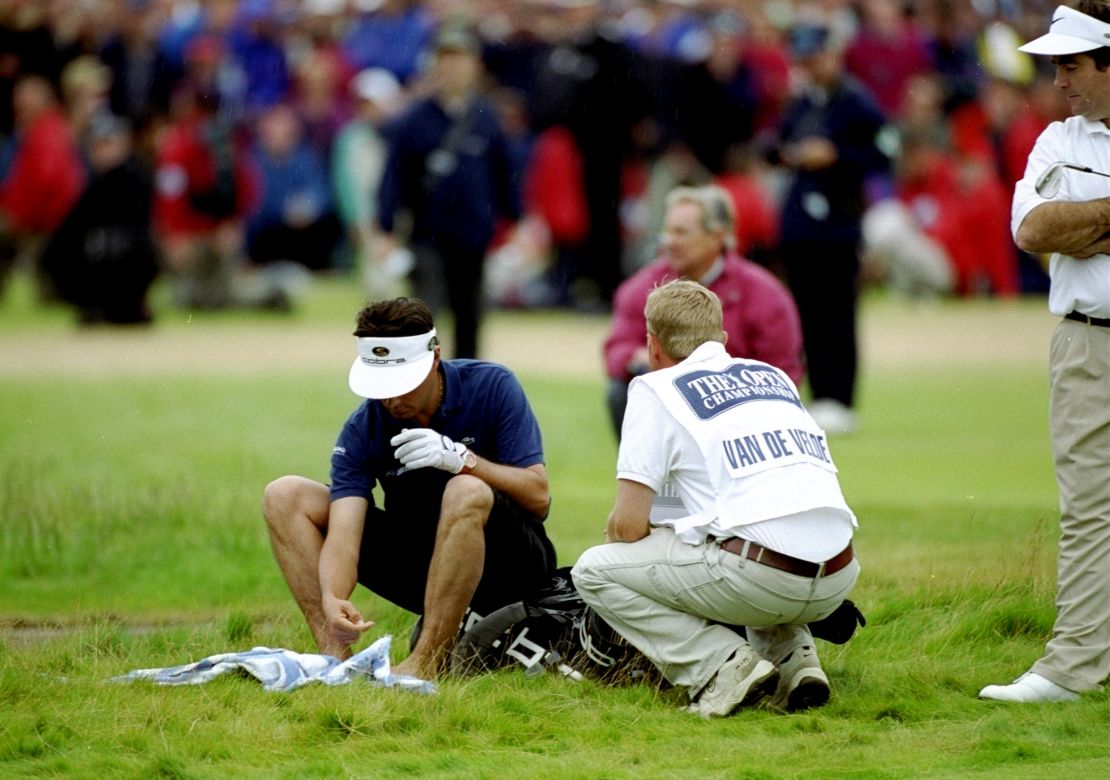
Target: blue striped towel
x=285, y=670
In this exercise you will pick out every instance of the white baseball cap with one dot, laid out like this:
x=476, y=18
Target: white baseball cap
x=389, y=367
x=377, y=85
x=1071, y=32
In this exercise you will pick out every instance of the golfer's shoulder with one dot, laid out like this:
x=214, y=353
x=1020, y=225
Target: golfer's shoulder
x=1076, y=129
x=480, y=378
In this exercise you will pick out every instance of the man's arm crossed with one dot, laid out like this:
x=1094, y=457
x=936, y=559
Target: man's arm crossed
x=1078, y=229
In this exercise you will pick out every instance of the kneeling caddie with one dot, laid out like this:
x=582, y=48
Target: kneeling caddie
x=766, y=543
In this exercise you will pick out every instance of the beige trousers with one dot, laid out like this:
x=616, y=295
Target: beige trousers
x=674, y=602
x=1078, y=654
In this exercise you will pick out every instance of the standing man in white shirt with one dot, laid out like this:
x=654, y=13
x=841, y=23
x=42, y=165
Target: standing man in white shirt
x=768, y=541
x=1065, y=211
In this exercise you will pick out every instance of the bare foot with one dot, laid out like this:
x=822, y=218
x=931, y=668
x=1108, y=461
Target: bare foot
x=412, y=668
x=342, y=652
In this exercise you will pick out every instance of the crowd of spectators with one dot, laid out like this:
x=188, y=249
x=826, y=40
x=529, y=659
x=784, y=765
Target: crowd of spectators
x=249, y=116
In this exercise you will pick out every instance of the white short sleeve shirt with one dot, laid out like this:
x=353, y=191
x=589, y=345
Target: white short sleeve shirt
x=659, y=451
x=1081, y=285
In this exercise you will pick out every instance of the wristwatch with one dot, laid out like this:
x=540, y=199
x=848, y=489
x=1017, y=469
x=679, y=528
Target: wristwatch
x=470, y=460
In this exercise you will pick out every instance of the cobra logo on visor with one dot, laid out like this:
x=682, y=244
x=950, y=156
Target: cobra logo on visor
x=384, y=361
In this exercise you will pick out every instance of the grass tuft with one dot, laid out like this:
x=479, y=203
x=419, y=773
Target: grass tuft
x=238, y=629
x=170, y=768
x=343, y=725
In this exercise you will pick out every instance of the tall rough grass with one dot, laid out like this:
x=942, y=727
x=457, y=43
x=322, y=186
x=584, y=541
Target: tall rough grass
x=130, y=537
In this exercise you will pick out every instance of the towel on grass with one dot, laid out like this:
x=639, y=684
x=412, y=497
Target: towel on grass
x=285, y=670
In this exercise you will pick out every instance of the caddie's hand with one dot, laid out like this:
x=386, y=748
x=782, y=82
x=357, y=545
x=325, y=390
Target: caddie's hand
x=418, y=448
x=345, y=623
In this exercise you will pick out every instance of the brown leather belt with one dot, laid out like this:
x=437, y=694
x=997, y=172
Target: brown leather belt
x=1074, y=315
x=777, y=560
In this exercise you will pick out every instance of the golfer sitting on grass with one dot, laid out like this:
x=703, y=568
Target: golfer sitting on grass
x=768, y=541
x=456, y=450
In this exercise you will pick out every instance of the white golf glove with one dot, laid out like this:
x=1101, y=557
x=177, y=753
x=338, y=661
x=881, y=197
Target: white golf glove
x=419, y=448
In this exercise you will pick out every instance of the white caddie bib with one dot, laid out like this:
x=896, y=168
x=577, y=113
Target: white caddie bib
x=747, y=420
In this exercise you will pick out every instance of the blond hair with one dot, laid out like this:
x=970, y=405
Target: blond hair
x=683, y=315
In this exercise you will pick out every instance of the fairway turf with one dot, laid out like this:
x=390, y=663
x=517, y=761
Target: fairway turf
x=131, y=470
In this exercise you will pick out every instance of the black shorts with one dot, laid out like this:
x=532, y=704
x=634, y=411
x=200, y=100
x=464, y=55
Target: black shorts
x=397, y=550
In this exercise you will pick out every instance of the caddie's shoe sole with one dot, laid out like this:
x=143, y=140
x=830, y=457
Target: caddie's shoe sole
x=804, y=690
x=802, y=683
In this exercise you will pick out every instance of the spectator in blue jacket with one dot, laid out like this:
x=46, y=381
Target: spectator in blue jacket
x=256, y=44
x=295, y=219
x=832, y=141
x=450, y=168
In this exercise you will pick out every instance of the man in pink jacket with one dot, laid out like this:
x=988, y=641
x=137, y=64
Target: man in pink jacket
x=698, y=242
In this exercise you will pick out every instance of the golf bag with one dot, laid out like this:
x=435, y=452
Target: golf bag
x=554, y=629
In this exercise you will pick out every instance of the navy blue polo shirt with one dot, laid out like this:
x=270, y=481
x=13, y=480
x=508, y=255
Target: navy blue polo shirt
x=826, y=205
x=484, y=407
x=462, y=205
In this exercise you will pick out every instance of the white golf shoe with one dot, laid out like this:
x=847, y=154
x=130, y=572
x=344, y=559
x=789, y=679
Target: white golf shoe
x=1030, y=687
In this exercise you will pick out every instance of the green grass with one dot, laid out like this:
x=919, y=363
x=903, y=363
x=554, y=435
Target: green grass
x=131, y=536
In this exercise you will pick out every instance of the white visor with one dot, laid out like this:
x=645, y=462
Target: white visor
x=389, y=367
x=1071, y=32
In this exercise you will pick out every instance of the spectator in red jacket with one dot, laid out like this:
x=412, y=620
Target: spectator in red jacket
x=203, y=189
x=698, y=243
x=959, y=200
x=757, y=228
x=985, y=260
x=554, y=190
x=46, y=174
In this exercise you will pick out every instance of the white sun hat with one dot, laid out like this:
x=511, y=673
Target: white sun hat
x=377, y=85
x=1071, y=32
x=387, y=367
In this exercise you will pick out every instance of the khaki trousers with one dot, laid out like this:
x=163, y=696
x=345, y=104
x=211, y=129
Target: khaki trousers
x=674, y=602
x=1078, y=654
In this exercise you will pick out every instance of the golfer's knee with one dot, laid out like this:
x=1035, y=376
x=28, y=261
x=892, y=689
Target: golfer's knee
x=466, y=499
x=283, y=498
